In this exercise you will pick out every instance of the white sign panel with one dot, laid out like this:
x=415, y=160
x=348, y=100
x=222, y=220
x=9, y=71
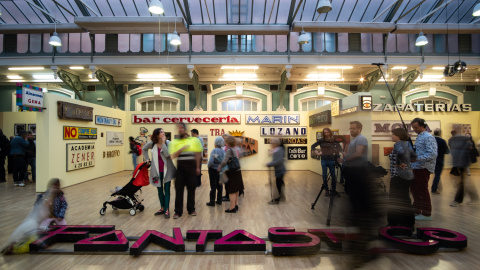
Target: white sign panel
x=107, y=121
x=32, y=98
x=285, y=119
x=382, y=130
x=185, y=118
x=80, y=156
x=114, y=138
x=283, y=131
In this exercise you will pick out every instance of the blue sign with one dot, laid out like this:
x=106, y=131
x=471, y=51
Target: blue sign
x=107, y=121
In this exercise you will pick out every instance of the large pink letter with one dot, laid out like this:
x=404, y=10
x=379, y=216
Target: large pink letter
x=203, y=236
x=240, y=240
x=161, y=239
x=447, y=238
x=425, y=247
x=109, y=241
x=288, y=234
x=331, y=235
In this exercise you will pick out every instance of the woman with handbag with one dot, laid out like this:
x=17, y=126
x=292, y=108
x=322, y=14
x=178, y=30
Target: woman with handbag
x=278, y=162
x=235, y=183
x=216, y=157
x=162, y=169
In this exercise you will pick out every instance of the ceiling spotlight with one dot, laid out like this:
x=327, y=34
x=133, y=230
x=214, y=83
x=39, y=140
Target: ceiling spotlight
x=55, y=40
x=460, y=66
x=324, y=6
x=449, y=71
x=303, y=38
x=421, y=40
x=175, y=40
x=362, y=79
x=476, y=10
x=156, y=7
x=477, y=80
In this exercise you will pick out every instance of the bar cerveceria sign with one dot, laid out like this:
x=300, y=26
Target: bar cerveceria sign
x=190, y=118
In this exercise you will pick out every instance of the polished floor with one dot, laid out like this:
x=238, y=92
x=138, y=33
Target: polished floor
x=254, y=216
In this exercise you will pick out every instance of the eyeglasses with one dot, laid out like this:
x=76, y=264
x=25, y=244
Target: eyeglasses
x=353, y=128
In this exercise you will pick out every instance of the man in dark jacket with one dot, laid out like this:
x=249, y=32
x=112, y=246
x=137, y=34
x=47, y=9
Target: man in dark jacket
x=30, y=155
x=442, y=150
x=4, y=152
x=18, y=146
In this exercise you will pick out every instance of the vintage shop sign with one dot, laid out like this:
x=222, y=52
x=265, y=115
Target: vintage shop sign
x=285, y=119
x=80, y=156
x=288, y=140
x=29, y=97
x=114, y=138
x=185, y=118
x=285, y=240
x=111, y=154
x=423, y=107
x=107, y=121
x=297, y=153
x=283, y=131
x=382, y=130
x=79, y=133
x=319, y=119
x=67, y=110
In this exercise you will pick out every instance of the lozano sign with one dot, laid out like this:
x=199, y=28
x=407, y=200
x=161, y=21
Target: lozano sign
x=285, y=240
x=195, y=118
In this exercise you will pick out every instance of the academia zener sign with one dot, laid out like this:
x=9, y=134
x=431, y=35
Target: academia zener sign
x=185, y=118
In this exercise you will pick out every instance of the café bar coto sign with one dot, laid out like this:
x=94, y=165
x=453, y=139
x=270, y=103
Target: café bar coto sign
x=185, y=118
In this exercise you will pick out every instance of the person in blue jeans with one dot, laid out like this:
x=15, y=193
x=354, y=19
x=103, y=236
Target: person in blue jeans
x=329, y=152
x=442, y=150
x=133, y=151
x=17, y=149
x=30, y=155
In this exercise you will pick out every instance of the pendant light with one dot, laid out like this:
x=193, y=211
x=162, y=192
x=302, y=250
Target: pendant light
x=303, y=38
x=476, y=10
x=421, y=39
x=55, y=39
x=175, y=39
x=324, y=6
x=156, y=7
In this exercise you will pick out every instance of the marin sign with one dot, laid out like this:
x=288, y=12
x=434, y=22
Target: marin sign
x=272, y=119
x=297, y=153
x=80, y=156
x=107, y=121
x=79, y=133
x=319, y=119
x=288, y=140
x=193, y=118
x=66, y=110
x=285, y=241
x=283, y=131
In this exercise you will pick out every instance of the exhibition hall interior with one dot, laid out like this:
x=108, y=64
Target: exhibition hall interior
x=239, y=134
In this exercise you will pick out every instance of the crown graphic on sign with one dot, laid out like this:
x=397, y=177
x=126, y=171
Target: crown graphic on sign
x=236, y=133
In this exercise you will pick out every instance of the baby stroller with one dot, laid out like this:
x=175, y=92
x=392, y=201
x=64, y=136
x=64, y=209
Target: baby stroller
x=125, y=198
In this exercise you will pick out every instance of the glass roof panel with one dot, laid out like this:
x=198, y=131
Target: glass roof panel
x=310, y=9
x=245, y=11
x=15, y=12
x=271, y=12
x=283, y=11
x=117, y=8
x=28, y=11
x=143, y=7
x=404, y=7
x=220, y=11
x=359, y=10
x=409, y=16
x=465, y=7
x=195, y=13
x=130, y=8
x=346, y=11
x=208, y=12
x=70, y=6
x=103, y=6
x=332, y=15
x=92, y=5
x=258, y=11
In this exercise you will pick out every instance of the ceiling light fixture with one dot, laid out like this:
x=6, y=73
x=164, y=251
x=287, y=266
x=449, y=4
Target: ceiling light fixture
x=55, y=39
x=438, y=68
x=334, y=67
x=476, y=10
x=303, y=38
x=399, y=67
x=239, y=75
x=175, y=39
x=43, y=77
x=460, y=66
x=154, y=76
x=324, y=6
x=239, y=67
x=26, y=68
x=421, y=40
x=156, y=7
x=76, y=67
x=14, y=77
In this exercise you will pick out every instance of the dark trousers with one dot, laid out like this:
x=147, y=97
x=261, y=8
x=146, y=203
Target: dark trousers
x=199, y=180
x=215, y=186
x=438, y=171
x=10, y=164
x=400, y=209
x=471, y=191
x=329, y=165
x=280, y=183
x=421, y=197
x=19, y=168
x=186, y=176
x=33, y=165
x=2, y=169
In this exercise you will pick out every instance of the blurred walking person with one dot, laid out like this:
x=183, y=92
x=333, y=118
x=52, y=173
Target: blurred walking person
x=278, y=163
x=473, y=152
x=4, y=152
x=235, y=183
x=18, y=146
x=442, y=150
x=30, y=157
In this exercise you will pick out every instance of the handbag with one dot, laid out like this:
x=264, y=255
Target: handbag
x=233, y=162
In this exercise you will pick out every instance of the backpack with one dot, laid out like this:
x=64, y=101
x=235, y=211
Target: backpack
x=139, y=149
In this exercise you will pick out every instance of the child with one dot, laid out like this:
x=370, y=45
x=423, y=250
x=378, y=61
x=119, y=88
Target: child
x=57, y=205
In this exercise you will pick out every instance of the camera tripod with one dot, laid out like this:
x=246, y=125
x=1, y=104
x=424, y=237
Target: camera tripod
x=333, y=191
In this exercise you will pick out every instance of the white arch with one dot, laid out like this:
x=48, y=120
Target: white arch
x=149, y=87
x=315, y=87
x=256, y=99
x=139, y=101
x=246, y=86
x=432, y=89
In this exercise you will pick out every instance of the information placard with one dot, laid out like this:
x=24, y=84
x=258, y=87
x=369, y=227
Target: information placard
x=114, y=138
x=80, y=156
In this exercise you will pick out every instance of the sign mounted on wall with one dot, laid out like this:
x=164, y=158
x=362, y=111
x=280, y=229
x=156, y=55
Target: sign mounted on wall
x=191, y=118
x=283, y=131
x=288, y=140
x=217, y=132
x=79, y=133
x=335, y=105
x=423, y=107
x=114, y=138
x=80, y=156
x=111, y=154
x=107, y=121
x=382, y=130
x=366, y=103
x=297, y=153
x=319, y=119
x=284, y=119
x=29, y=97
x=66, y=110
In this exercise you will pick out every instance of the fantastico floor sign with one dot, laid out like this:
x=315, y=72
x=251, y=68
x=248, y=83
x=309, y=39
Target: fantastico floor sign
x=284, y=240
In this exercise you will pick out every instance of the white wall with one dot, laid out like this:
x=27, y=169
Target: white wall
x=9, y=119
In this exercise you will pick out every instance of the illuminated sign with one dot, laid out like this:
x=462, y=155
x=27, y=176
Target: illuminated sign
x=366, y=103
x=80, y=156
x=193, y=118
x=423, y=107
x=283, y=131
x=285, y=119
x=79, y=133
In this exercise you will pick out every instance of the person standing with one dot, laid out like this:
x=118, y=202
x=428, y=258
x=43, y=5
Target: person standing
x=188, y=150
x=30, y=155
x=4, y=152
x=442, y=150
x=235, y=183
x=216, y=157
x=194, y=133
x=426, y=149
x=134, y=151
x=162, y=169
x=278, y=162
x=461, y=157
x=329, y=152
x=18, y=146
x=400, y=210
x=473, y=152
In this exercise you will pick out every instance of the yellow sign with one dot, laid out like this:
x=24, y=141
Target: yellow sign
x=335, y=107
x=79, y=133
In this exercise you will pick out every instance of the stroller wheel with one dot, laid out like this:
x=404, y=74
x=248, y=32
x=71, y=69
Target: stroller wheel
x=133, y=212
x=141, y=207
x=114, y=208
x=102, y=211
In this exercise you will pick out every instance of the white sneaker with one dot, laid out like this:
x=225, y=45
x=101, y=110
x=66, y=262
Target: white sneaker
x=468, y=174
x=15, y=184
x=454, y=204
x=21, y=184
x=423, y=218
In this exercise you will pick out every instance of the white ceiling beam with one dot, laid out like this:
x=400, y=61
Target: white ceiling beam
x=239, y=29
x=130, y=25
x=437, y=28
x=344, y=27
